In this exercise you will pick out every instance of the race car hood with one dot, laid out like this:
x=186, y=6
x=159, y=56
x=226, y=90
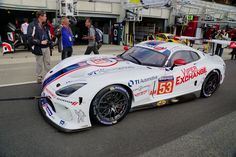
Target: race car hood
x=82, y=68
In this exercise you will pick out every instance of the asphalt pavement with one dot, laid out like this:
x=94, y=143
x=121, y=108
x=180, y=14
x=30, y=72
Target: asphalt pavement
x=24, y=132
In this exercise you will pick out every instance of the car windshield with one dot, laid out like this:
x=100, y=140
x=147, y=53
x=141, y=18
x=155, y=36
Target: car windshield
x=145, y=56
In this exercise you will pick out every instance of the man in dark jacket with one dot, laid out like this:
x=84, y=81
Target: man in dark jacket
x=40, y=42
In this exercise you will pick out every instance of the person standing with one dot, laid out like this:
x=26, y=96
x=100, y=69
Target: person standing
x=212, y=45
x=51, y=29
x=225, y=36
x=24, y=27
x=218, y=46
x=233, y=53
x=40, y=42
x=221, y=35
x=67, y=38
x=92, y=45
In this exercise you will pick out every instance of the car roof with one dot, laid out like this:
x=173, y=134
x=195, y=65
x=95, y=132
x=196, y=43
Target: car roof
x=161, y=46
x=153, y=44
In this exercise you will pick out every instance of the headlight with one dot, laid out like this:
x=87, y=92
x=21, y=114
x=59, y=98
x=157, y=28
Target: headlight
x=68, y=90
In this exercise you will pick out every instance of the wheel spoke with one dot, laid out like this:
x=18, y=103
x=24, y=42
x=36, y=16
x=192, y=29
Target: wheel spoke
x=107, y=113
x=105, y=110
x=103, y=102
x=102, y=107
x=110, y=113
x=118, y=101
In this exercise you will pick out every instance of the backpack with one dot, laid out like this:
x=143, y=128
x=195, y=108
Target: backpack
x=98, y=35
x=57, y=31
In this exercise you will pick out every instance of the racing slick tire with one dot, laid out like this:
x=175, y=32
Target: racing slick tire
x=110, y=105
x=210, y=84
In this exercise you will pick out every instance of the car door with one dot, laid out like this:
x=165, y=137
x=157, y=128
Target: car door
x=181, y=79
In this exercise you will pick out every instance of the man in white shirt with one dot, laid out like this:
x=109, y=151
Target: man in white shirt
x=24, y=28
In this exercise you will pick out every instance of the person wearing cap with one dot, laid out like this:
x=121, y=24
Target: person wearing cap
x=39, y=38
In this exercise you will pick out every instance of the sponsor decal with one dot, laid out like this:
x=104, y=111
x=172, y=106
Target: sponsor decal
x=141, y=88
x=190, y=73
x=131, y=83
x=102, y=71
x=81, y=115
x=48, y=110
x=140, y=93
x=160, y=48
x=161, y=103
x=62, y=122
x=165, y=85
x=73, y=103
x=163, y=50
x=152, y=44
x=153, y=91
x=77, y=80
x=103, y=62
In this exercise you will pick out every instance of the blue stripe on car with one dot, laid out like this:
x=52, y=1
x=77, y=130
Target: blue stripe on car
x=62, y=71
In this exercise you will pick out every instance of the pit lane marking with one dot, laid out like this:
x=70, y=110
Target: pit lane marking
x=15, y=84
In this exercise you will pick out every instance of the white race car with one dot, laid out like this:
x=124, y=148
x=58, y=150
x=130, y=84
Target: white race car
x=104, y=88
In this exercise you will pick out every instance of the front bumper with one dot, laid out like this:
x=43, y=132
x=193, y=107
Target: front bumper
x=63, y=116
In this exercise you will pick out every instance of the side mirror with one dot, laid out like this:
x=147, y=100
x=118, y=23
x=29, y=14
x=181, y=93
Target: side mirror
x=178, y=62
x=126, y=48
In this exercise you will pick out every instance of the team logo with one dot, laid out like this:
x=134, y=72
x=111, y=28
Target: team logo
x=62, y=122
x=131, y=83
x=102, y=62
x=190, y=73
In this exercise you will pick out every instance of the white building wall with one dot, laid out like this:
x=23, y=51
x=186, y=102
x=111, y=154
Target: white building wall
x=114, y=7
x=197, y=7
x=24, y=4
x=99, y=7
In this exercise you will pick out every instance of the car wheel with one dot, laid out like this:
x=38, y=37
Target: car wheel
x=210, y=85
x=110, y=105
